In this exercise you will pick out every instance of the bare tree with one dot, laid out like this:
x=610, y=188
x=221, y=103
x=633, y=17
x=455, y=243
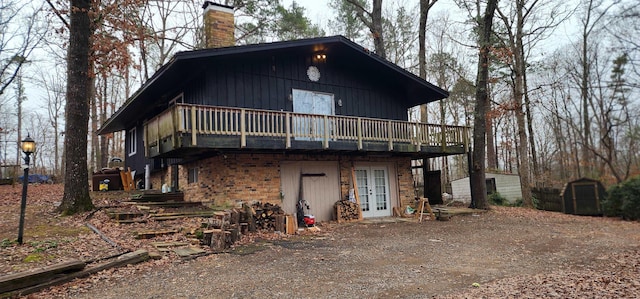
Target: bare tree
x=20, y=33
x=53, y=85
x=346, y=20
x=477, y=175
x=373, y=20
x=425, y=7
x=76, y=184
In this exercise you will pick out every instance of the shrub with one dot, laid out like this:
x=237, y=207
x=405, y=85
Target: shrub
x=497, y=199
x=520, y=202
x=623, y=200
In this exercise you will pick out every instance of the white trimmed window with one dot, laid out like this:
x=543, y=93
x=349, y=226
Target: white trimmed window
x=132, y=142
x=193, y=175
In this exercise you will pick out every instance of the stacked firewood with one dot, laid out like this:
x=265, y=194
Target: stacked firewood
x=347, y=210
x=226, y=227
x=266, y=214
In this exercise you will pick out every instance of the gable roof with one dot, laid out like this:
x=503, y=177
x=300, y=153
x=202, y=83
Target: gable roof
x=182, y=64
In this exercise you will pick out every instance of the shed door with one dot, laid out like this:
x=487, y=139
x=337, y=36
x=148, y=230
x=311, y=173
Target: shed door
x=373, y=190
x=320, y=186
x=586, y=200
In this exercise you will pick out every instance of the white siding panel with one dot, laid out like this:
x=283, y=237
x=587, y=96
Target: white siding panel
x=508, y=185
x=460, y=190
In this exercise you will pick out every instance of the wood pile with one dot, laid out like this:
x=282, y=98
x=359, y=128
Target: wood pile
x=227, y=227
x=347, y=211
x=222, y=230
x=265, y=216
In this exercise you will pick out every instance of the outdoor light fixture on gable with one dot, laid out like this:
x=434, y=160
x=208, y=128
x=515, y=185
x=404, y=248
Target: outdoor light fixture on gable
x=319, y=57
x=28, y=147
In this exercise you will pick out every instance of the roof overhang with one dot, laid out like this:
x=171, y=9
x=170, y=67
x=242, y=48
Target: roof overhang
x=182, y=65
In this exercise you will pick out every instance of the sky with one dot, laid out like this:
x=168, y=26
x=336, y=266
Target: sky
x=320, y=13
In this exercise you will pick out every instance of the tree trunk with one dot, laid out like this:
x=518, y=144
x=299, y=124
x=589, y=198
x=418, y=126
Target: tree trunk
x=519, y=70
x=19, y=115
x=532, y=140
x=376, y=29
x=492, y=157
x=477, y=176
x=373, y=20
x=425, y=6
x=104, y=141
x=76, y=180
x=93, y=103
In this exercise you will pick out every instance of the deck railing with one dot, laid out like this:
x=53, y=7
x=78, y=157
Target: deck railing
x=194, y=120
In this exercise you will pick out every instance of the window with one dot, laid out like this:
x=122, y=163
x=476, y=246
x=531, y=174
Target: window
x=193, y=175
x=133, y=142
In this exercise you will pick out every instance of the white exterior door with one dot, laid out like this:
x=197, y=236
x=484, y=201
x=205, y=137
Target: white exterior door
x=373, y=190
x=310, y=102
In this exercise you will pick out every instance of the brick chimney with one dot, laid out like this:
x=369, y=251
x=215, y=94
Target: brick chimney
x=218, y=25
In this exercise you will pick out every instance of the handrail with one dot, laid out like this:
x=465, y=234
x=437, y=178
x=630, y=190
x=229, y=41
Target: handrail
x=215, y=120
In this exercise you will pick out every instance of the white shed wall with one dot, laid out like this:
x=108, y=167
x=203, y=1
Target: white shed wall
x=460, y=190
x=508, y=185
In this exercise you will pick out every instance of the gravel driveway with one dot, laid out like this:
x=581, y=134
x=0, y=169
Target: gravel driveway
x=399, y=260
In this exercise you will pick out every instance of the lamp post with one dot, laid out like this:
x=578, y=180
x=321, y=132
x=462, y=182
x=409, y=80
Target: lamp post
x=28, y=147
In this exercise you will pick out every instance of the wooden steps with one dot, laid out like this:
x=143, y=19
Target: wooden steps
x=156, y=196
x=164, y=204
x=155, y=233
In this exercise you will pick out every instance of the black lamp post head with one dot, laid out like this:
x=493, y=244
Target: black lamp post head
x=28, y=145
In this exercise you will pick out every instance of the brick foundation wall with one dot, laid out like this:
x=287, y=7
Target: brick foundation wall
x=246, y=177
x=405, y=182
x=233, y=177
x=161, y=177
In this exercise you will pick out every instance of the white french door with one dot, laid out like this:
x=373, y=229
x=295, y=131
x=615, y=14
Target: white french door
x=373, y=190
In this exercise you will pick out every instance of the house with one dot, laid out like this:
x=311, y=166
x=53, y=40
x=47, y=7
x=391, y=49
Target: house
x=508, y=185
x=280, y=121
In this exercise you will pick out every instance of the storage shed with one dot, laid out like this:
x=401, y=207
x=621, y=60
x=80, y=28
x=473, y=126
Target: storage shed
x=583, y=197
x=508, y=185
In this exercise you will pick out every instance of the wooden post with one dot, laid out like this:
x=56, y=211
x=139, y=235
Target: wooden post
x=418, y=136
x=157, y=136
x=390, y=134
x=359, y=132
x=287, y=129
x=174, y=121
x=243, y=129
x=325, y=141
x=193, y=126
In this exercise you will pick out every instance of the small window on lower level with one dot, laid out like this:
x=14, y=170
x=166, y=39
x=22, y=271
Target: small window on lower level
x=133, y=142
x=193, y=175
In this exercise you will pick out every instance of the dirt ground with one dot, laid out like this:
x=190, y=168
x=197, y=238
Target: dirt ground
x=504, y=253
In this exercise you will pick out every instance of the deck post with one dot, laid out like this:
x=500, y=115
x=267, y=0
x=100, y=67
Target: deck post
x=287, y=129
x=243, y=129
x=174, y=115
x=418, y=136
x=193, y=126
x=390, y=134
x=157, y=136
x=325, y=140
x=359, y=133
x=145, y=138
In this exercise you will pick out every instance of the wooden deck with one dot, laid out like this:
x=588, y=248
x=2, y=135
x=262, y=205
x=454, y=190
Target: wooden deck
x=186, y=126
